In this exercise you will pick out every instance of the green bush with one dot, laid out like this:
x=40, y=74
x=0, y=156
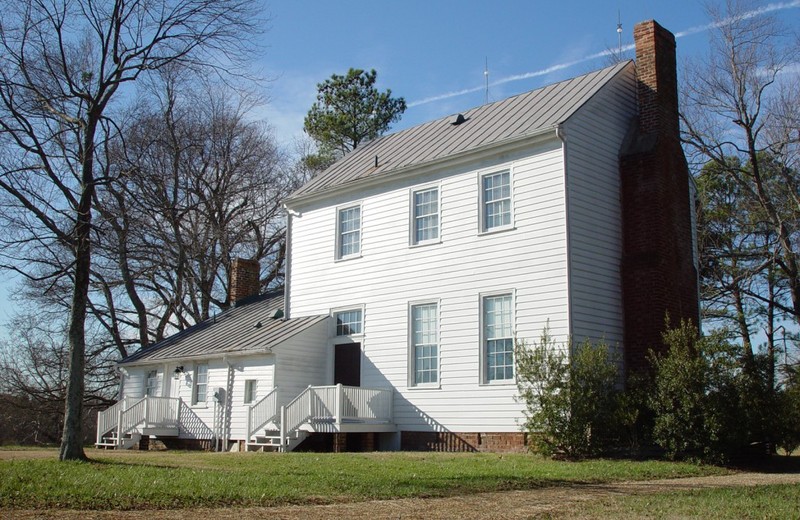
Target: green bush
x=788, y=414
x=710, y=402
x=571, y=404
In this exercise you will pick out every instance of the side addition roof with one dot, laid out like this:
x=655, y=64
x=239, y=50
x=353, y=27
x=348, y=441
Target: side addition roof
x=248, y=328
x=495, y=123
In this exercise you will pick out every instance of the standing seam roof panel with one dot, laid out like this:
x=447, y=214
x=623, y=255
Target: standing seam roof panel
x=496, y=122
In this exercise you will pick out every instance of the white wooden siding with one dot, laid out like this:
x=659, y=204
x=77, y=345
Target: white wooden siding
x=197, y=421
x=594, y=137
x=302, y=361
x=530, y=260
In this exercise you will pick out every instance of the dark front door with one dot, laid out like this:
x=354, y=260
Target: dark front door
x=347, y=364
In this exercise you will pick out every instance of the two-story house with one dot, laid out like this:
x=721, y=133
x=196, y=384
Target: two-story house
x=417, y=261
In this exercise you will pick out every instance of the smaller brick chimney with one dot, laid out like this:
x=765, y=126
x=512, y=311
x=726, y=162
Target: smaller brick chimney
x=244, y=281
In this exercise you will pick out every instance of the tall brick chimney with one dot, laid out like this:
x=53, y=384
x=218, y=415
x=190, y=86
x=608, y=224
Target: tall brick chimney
x=658, y=270
x=244, y=281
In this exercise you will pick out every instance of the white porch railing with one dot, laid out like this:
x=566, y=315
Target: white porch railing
x=337, y=403
x=126, y=415
x=262, y=413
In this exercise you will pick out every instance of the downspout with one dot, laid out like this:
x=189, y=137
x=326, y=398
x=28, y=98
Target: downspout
x=559, y=128
x=227, y=405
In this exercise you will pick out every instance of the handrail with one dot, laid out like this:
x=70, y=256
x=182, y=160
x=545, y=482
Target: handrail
x=107, y=419
x=365, y=403
x=294, y=414
x=128, y=413
x=337, y=402
x=262, y=412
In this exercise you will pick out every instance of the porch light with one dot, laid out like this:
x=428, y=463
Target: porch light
x=178, y=372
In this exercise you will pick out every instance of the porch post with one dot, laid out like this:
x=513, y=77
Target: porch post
x=283, y=428
x=119, y=428
x=146, y=418
x=337, y=417
x=247, y=432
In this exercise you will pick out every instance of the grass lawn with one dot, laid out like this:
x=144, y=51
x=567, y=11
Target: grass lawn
x=762, y=502
x=158, y=480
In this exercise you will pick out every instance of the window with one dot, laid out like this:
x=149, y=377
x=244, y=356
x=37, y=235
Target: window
x=152, y=384
x=250, y=389
x=349, y=323
x=498, y=337
x=199, y=393
x=424, y=344
x=425, y=215
x=349, y=232
x=496, y=200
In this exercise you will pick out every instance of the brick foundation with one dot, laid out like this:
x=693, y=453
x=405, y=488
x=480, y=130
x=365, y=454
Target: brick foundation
x=465, y=442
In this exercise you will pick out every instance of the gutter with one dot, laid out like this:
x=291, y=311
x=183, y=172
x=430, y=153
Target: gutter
x=206, y=356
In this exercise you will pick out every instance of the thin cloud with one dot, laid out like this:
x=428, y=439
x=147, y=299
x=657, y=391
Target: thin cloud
x=779, y=6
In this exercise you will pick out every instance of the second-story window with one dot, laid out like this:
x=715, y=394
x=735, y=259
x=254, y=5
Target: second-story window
x=495, y=201
x=349, y=232
x=425, y=215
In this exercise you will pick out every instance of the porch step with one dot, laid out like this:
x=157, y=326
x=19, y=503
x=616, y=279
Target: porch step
x=112, y=442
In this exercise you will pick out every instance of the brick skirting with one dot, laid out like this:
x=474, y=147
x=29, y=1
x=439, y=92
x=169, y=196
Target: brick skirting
x=450, y=441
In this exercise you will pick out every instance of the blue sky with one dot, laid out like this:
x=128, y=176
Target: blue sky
x=425, y=50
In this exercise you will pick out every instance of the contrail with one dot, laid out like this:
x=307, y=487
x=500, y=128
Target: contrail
x=780, y=6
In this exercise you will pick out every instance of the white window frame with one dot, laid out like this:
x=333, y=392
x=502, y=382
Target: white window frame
x=339, y=211
x=482, y=227
x=341, y=310
x=155, y=388
x=196, y=401
x=250, y=391
x=484, y=347
x=412, y=357
x=414, y=217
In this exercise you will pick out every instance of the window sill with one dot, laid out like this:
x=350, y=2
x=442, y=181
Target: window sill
x=499, y=382
x=346, y=258
x=427, y=386
x=496, y=230
x=425, y=244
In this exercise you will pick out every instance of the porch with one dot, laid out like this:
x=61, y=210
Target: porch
x=270, y=424
x=318, y=409
x=122, y=425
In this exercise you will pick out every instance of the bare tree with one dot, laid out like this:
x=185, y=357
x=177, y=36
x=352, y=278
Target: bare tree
x=736, y=116
x=34, y=368
x=63, y=68
x=200, y=184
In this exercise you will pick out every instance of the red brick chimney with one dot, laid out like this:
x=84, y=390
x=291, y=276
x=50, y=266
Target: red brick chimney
x=245, y=281
x=658, y=271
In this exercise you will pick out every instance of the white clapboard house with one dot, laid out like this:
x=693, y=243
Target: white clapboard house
x=416, y=261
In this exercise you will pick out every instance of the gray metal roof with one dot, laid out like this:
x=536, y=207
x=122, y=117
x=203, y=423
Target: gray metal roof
x=494, y=123
x=232, y=331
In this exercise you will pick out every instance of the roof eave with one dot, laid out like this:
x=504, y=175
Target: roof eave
x=209, y=355
x=412, y=170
